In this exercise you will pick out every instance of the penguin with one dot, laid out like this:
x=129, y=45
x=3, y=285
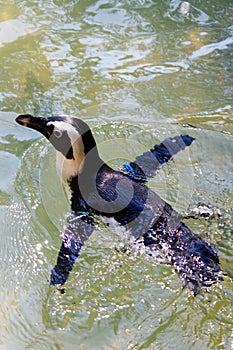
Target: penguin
x=99, y=191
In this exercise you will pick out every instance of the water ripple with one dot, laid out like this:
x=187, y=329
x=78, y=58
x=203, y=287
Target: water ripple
x=133, y=69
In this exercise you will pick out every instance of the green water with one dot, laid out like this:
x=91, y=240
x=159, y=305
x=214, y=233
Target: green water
x=137, y=72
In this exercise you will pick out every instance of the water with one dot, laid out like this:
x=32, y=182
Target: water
x=137, y=72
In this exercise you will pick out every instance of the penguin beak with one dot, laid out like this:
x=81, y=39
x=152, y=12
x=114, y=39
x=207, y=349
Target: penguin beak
x=34, y=122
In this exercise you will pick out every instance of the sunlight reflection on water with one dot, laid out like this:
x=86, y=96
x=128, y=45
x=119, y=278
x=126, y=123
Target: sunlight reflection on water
x=133, y=71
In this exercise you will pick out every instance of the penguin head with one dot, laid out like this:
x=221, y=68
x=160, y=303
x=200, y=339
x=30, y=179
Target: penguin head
x=71, y=137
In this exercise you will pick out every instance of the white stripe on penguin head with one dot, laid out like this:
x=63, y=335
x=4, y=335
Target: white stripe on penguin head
x=68, y=168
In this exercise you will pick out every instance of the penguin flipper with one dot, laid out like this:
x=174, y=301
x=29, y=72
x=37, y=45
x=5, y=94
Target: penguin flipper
x=147, y=164
x=75, y=235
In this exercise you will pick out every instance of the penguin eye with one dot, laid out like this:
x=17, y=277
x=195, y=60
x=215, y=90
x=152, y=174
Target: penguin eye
x=57, y=133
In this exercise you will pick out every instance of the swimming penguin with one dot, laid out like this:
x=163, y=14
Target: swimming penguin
x=99, y=190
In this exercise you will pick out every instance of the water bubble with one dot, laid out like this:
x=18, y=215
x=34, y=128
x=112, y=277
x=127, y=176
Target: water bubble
x=38, y=246
x=185, y=8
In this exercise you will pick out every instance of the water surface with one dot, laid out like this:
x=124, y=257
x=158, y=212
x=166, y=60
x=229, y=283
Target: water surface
x=137, y=72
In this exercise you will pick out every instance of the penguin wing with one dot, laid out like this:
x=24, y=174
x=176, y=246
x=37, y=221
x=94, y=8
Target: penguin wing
x=76, y=233
x=148, y=163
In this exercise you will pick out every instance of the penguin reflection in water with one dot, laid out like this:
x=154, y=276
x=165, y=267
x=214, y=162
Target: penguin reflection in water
x=99, y=190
